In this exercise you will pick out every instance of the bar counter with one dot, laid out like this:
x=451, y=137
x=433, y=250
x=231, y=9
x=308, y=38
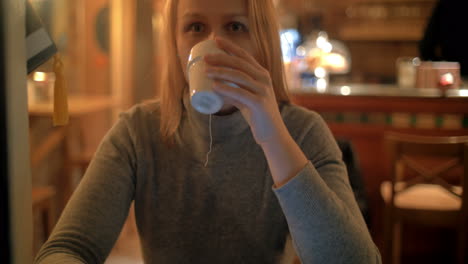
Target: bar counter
x=363, y=113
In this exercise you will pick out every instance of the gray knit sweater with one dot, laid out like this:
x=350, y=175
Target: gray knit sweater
x=226, y=212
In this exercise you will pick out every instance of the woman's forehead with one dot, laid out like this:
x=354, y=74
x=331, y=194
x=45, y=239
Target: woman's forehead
x=212, y=7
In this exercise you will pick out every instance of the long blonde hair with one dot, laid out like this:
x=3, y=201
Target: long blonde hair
x=264, y=30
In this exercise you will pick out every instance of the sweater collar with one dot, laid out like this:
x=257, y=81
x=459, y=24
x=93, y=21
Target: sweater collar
x=222, y=127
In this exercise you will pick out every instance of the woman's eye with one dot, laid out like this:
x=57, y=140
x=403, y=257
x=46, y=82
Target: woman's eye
x=236, y=27
x=196, y=27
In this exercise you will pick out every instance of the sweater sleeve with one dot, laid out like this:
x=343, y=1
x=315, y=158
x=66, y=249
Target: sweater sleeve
x=322, y=213
x=92, y=220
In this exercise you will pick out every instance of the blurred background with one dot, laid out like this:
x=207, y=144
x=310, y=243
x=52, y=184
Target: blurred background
x=359, y=63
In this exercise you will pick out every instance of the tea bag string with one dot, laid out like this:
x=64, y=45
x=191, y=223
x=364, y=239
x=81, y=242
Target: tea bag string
x=211, y=142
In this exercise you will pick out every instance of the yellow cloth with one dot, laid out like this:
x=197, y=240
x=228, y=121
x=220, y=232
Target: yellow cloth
x=60, y=94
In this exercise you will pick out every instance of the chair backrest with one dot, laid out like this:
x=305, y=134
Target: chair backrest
x=429, y=159
x=416, y=159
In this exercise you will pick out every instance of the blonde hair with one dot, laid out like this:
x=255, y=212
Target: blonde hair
x=264, y=31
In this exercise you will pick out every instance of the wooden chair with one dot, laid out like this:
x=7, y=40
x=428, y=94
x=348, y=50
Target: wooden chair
x=421, y=190
x=43, y=205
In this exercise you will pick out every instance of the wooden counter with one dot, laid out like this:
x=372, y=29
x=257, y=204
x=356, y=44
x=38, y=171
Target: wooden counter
x=77, y=106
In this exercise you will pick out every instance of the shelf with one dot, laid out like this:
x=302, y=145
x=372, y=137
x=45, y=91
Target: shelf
x=383, y=31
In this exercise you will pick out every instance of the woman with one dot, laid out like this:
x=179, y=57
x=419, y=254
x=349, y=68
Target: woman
x=274, y=169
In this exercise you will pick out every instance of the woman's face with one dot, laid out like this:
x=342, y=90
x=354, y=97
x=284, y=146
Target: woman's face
x=199, y=20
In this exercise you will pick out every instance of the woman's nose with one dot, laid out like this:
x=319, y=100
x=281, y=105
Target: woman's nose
x=212, y=36
x=215, y=33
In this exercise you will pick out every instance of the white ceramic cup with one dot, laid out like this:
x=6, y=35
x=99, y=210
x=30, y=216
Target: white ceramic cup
x=202, y=96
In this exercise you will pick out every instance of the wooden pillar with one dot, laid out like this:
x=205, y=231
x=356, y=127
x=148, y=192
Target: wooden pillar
x=122, y=53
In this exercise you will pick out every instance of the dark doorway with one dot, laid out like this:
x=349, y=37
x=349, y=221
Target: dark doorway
x=4, y=197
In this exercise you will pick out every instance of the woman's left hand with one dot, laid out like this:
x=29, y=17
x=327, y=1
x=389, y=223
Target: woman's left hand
x=255, y=97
